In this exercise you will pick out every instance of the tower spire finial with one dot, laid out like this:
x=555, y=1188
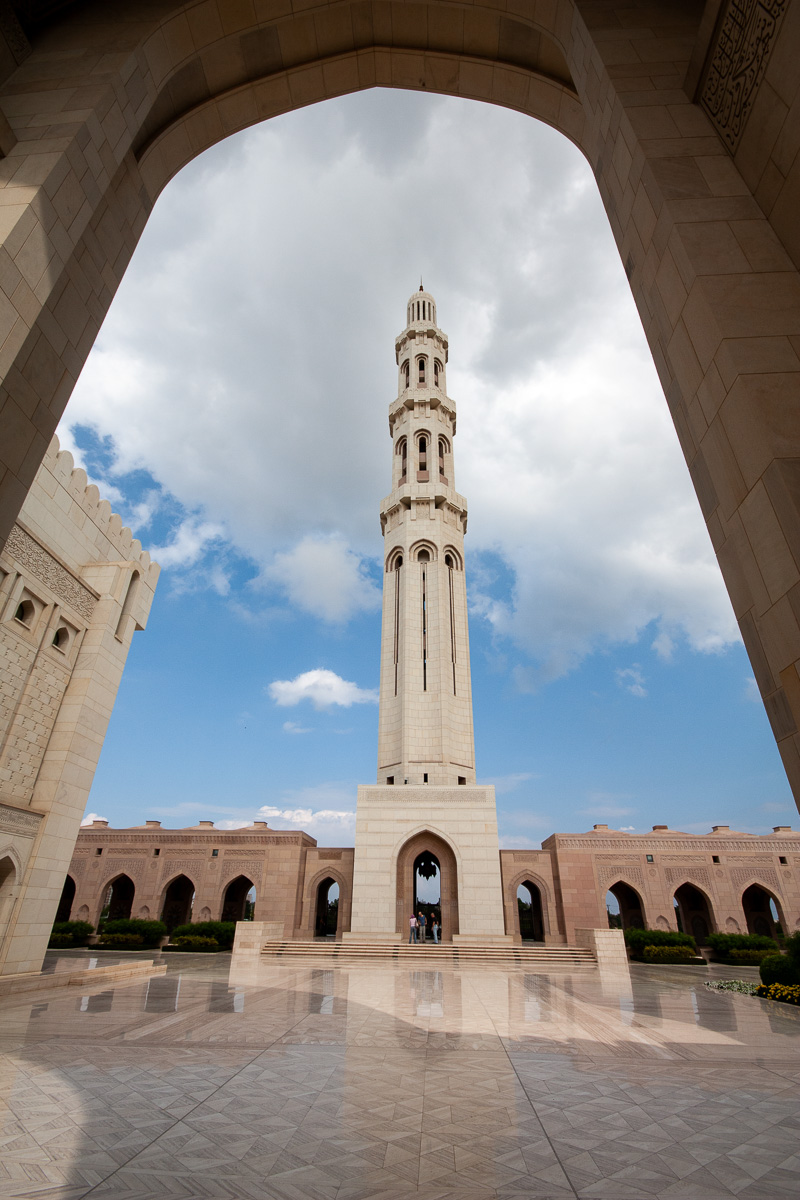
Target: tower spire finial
x=421, y=288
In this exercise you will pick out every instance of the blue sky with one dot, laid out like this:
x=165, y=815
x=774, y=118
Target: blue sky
x=234, y=412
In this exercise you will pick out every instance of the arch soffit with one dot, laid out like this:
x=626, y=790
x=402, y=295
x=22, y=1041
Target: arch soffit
x=263, y=69
x=10, y=851
x=523, y=877
x=113, y=878
x=409, y=836
x=178, y=875
x=327, y=873
x=704, y=892
x=612, y=883
x=765, y=887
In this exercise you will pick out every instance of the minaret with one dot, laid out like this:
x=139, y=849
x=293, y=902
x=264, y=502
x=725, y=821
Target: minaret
x=425, y=741
x=425, y=726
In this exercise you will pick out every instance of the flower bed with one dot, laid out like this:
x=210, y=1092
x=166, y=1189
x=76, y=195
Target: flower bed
x=785, y=993
x=742, y=986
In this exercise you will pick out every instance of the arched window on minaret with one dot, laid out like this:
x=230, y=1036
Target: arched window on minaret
x=402, y=450
x=422, y=470
x=442, y=453
x=437, y=372
x=421, y=370
x=406, y=369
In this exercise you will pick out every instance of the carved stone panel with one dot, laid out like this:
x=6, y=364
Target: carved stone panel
x=28, y=553
x=737, y=62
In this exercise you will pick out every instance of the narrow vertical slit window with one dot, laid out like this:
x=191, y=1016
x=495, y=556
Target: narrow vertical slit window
x=424, y=633
x=398, y=564
x=421, y=370
x=449, y=564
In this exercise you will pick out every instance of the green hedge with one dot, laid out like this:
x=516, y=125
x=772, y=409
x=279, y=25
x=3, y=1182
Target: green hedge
x=223, y=932
x=792, y=947
x=75, y=933
x=724, y=943
x=196, y=943
x=668, y=954
x=150, y=932
x=122, y=941
x=637, y=939
x=779, y=968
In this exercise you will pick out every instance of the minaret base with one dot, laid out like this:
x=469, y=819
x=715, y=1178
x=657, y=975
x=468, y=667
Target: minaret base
x=458, y=825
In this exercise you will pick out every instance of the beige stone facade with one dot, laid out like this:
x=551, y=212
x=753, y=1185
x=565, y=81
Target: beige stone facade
x=735, y=875
x=74, y=586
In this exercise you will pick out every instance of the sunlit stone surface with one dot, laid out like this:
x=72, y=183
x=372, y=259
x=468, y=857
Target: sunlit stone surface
x=348, y=1084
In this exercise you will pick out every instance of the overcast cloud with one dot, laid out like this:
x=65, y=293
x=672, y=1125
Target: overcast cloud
x=247, y=364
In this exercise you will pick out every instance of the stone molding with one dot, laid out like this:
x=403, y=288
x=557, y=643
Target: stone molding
x=17, y=820
x=26, y=550
x=649, y=845
x=737, y=62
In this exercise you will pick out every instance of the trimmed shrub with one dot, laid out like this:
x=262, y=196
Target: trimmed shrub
x=190, y=942
x=125, y=941
x=778, y=991
x=75, y=931
x=58, y=940
x=749, y=958
x=223, y=932
x=150, y=932
x=637, y=939
x=792, y=947
x=779, y=968
x=723, y=944
x=668, y=954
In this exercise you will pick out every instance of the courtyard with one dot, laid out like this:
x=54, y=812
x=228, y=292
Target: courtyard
x=352, y=1083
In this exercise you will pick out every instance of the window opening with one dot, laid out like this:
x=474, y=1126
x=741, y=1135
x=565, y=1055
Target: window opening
x=424, y=631
x=398, y=564
x=449, y=563
x=98, y=851
x=390, y=778
x=423, y=454
x=406, y=373
x=649, y=857
x=425, y=777
x=781, y=860
x=156, y=852
x=437, y=366
x=215, y=853
x=462, y=779
x=25, y=613
x=402, y=450
x=441, y=458
x=715, y=858
x=421, y=369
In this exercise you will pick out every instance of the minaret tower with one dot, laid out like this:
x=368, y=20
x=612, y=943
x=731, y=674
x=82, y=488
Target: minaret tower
x=438, y=813
x=425, y=726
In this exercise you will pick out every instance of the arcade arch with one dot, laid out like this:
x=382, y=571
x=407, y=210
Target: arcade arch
x=117, y=899
x=421, y=849
x=176, y=905
x=326, y=909
x=530, y=913
x=629, y=903
x=693, y=912
x=762, y=910
x=8, y=879
x=236, y=898
x=178, y=82
x=67, y=899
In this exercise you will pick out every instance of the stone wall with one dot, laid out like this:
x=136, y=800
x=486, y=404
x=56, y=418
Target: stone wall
x=74, y=586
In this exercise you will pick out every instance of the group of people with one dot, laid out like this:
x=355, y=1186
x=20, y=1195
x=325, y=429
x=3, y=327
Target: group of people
x=418, y=928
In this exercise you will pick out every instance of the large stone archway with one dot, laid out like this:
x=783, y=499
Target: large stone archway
x=106, y=103
x=448, y=880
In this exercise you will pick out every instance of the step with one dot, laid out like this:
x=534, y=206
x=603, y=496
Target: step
x=367, y=952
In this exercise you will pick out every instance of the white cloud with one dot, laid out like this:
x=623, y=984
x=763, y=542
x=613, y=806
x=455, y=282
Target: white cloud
x=247, y=363
x=323, y=688
x=631, y=679
x=322, y=576
x=89, y=817
x=293, y=727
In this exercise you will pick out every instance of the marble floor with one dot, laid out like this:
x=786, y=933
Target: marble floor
x=383, y=1083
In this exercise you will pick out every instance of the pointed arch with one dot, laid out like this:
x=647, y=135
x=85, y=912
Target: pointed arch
x=311, y=885
x=116, y=898
x=410, y=846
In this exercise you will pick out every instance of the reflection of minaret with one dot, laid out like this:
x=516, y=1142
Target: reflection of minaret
x=425, y=741
x=425, y=727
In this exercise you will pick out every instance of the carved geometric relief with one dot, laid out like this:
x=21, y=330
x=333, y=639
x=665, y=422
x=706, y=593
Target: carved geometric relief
x=742, y=875
x=737, y=63
x=619, y=871
x=15, y=820
x=252, y=870
x=695, y=874
x=28, y=553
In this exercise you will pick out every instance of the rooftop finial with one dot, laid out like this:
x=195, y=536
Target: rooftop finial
x=421, y=288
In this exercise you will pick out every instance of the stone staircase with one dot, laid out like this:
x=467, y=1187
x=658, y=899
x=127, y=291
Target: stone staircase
x=533, y=956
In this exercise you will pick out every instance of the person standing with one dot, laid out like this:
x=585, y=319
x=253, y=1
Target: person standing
x=412, y=929
x=435, y=930
x=422, y=921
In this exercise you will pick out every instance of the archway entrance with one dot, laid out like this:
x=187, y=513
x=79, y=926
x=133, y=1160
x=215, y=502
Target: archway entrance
x=67, y=899
x=529, y=908
x=427, y=879
x=624, y=907
x=118, y=900
x=8, y=877
x=760, y=911
x=428, y=892
x=236, y=903
x=326, y=917
x=693, y=913
x=178, y=900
